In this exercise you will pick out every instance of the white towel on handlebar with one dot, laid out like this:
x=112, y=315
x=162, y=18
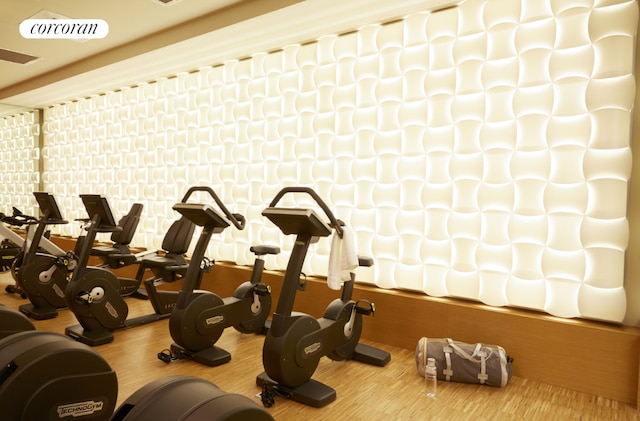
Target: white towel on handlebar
x=342, y=259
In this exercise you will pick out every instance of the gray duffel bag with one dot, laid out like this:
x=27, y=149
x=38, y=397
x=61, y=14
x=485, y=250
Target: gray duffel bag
x=465, y=363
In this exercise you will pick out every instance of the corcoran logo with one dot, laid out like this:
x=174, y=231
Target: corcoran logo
x=64, y=28
x=79, y=409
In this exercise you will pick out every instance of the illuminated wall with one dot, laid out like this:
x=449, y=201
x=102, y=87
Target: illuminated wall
x=19, y=161
x=481, y=152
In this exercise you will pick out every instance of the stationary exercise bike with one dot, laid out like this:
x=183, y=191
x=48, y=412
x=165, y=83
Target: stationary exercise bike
x=12, y=246
x=296, y=341
x=43, y=276
x=93, y=294
x=200, y=317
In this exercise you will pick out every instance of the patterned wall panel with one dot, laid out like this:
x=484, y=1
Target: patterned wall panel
x=480, y=152
x=19, y=161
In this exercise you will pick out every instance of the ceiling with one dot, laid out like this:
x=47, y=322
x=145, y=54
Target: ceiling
x=148, y=39
x=134, y=25
x=123, y=28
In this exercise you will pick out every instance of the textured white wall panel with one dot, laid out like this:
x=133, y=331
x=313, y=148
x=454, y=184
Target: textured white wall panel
x=480, y=152
x=19, y=162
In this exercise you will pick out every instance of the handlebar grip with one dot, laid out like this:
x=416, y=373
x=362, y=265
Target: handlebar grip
x=241, y=220
x=18, y=220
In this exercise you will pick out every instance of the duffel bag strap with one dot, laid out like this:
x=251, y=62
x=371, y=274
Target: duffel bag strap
x=424, y=354
x=448, y=372
x=464, y=354
x=477, y=352
x=477, y=349
x=482, y=375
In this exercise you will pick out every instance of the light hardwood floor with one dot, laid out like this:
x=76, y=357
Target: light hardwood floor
x=363, y=392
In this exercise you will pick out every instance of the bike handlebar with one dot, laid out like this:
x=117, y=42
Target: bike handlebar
x=236, y=219
x=335, y=223
x=18, y=218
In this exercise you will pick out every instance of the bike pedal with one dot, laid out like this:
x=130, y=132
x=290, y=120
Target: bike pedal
x=165, y=356
x=262, y=289
x=370, y=309
x=206, y=264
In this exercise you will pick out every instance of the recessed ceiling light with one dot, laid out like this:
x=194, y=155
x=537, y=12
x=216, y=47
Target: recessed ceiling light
x=166, y=2
x=16, y=57
x=46, y=14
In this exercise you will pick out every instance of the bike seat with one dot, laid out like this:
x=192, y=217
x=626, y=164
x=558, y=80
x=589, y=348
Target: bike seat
x=365, y=261
x=118, y=253
x=171, y=264
x=262, y=250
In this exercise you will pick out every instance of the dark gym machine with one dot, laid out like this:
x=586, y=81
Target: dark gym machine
x=43, y=276
x=200, y=317
x=296, y=341
x=47, y=376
